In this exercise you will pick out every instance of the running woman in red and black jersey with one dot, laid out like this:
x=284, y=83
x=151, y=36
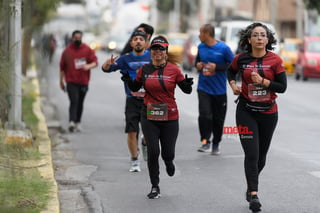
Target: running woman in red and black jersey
x=159, y=118
x=262, y=77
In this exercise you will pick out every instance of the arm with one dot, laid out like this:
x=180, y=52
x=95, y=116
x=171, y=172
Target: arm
x=89, y=66
x=278, y=85
x=231, y=75
x=133, y=85
x=62, y=80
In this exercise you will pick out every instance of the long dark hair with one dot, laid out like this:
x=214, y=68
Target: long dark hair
x=245, y=34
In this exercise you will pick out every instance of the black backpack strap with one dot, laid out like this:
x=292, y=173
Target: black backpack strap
x=145, y=75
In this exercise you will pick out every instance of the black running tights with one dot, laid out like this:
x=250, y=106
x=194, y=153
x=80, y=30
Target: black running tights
x=255, y=144
x=166, y=132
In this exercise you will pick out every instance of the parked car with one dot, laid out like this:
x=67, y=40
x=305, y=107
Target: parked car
x=190, y=51
x=177, y=41
x=114, y=43
x=289, y=53
x=308, y=62
x=230, y=29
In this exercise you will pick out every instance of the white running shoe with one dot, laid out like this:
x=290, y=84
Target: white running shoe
x=78, y=127
x=135, y=166
x=72, y=126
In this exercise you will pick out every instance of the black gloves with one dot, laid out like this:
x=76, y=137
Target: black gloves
x=186, y=84
x=188, y=80
x=126, y=77
x=132, y=84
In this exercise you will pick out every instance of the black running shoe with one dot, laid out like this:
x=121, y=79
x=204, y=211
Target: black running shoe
x=255, y=205
x=248, y=196
x=155, y=193
x=170, y=168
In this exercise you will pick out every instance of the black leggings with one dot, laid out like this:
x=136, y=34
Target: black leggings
x=256, y=142
x=166, y=132
x=76, y=93
x=212, y=113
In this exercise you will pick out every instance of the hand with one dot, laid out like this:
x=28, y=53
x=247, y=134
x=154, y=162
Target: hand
x=256, y=78
x=126, y=77
x=62, y=86
x=235, y=89
x=209, y=69
x=113, y=59
x=109, y=62
x=199, y=66
x=188, y=80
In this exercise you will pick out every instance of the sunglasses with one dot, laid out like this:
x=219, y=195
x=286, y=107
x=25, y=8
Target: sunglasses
x=158, y=47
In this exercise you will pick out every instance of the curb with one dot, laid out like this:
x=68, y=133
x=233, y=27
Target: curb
x=45, y=150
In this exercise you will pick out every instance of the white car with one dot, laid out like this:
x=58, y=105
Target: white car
x=230, y=29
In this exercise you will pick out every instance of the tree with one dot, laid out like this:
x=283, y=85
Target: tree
x=35, y=13
x=312, y=4
x=4, y=61
x=165, y=6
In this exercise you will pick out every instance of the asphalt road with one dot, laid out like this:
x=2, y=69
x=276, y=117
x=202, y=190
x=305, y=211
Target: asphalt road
x=97, y=159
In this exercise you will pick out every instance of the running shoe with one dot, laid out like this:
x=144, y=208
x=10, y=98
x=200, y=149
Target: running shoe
x=72, y=126
x=170, y=168
x=255, y=205
x=204, y=148
x=77, y=127
x=135, y=166
x=144, y=149
x=215, y=149
x=248, y=196
x=155, y=193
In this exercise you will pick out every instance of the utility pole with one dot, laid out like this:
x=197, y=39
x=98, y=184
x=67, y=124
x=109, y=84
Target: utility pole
x=15, y=115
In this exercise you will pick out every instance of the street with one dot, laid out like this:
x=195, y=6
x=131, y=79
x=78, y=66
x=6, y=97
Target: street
x=290, y=182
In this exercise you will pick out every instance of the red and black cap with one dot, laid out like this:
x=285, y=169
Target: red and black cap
x=160, y=42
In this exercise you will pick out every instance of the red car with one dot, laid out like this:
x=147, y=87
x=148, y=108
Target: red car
x=308, y=61
x=190, y=51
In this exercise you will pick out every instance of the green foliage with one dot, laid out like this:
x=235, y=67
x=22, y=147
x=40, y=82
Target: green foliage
x=37, y=12
x=28, y=193
x=312, y=4
x=28, y=99
x=165, y=6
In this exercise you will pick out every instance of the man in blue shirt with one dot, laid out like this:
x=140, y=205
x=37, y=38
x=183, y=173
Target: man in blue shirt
x=212, y=60
x=129, y=63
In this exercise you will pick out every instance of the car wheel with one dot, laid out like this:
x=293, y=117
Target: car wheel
x=304, y=77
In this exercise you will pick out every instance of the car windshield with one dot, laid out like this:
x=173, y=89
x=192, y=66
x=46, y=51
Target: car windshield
x=291, y=47
x=177, y=41
x=234, y=34
x=314, y=47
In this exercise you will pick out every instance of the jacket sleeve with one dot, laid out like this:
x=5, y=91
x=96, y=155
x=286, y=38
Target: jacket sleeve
x=279, y=84
x=134, y=85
